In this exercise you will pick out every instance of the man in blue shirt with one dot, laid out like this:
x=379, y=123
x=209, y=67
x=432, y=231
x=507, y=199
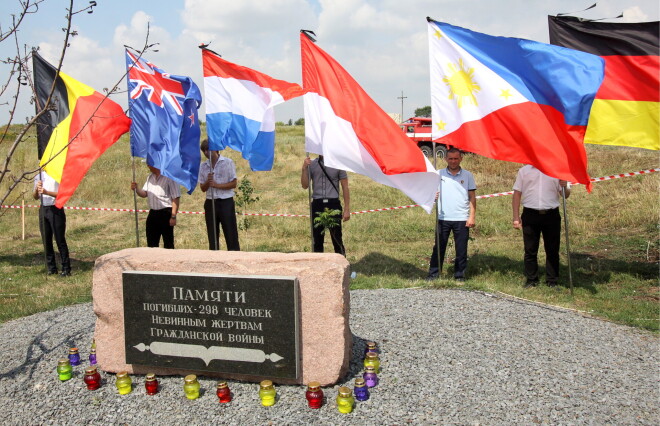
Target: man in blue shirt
x=456, y=212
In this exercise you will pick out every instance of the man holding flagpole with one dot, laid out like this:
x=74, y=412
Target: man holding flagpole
x=217, y=178
x=456, y=214
x=539, y=194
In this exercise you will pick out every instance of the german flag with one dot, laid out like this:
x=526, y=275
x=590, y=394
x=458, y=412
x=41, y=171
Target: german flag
x=625, y=111
x=78, y=126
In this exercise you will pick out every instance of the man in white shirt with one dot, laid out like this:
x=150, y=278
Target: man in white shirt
x=539, y=194
x=217, y=178
x=163, y=195
x=456, y=214
x=52, y=223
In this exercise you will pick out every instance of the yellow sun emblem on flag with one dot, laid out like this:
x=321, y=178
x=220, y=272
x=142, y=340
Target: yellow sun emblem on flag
x=461, y=84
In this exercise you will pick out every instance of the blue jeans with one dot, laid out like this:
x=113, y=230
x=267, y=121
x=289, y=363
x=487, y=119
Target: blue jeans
x=461, y=236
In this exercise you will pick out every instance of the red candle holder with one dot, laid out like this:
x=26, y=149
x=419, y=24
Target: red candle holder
x=92, y=378
x=314, y=395
x=223, y=392
x=151, y=384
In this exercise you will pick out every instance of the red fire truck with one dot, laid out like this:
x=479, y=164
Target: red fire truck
x=419, y=130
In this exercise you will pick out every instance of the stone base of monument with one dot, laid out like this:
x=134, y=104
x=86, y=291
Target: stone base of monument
x=233, y=315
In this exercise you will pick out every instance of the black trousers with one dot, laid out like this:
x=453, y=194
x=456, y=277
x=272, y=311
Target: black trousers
x=461, y=237
x=318, y=206
x=225, y=215
x=52, y=222
x=158, y=224
x=535, y=224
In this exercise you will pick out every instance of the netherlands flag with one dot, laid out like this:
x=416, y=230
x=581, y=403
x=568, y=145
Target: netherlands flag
x=353, y=133
x=513, y=99
x=239, y=109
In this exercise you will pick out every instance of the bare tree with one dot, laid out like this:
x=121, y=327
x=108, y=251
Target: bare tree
x=20, y=76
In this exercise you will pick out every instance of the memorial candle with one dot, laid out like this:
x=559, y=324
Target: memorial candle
x=373, y=360
x=371, y=347
x=345, y=400
x=64, y=369
x=92, y=356
x=191, y=386
x=370, y=377
x=123, y=383
x=151, y=384
x=74, y=356
x=361, y=390
x=92, y=378
x=267, y=393
x=314, y=395
x=223, y=392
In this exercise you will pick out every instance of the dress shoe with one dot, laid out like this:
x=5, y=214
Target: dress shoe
x=65, y=274
x=52, y=272
x=529, y=284
x=431, y=277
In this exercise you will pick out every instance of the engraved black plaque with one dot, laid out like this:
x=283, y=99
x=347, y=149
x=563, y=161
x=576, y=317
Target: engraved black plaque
x=219, y=323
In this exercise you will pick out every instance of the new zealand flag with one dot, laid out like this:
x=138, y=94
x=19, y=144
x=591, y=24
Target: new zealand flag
x=165, y=128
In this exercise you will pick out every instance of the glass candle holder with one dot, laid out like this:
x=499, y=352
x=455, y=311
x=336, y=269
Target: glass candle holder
x=92, y=356
x=92, y=378
x=64, y=369
x=267, y=393
x=151, y=384
x=191, y=386
x=371, y=347
x=74, y=356
x=370, y=377
x=223, y=392
x=361, y=390
x=345, y=400
x=123, y=383
x=371, y=359
x=314, y=395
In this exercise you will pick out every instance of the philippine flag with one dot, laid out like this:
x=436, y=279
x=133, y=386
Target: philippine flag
x=353, y=133
x=239, y=109
x=513, y=99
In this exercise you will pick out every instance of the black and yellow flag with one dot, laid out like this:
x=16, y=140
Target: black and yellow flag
x=625, y=111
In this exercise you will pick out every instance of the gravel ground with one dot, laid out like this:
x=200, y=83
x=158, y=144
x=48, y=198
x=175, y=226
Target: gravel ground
x=448, y=356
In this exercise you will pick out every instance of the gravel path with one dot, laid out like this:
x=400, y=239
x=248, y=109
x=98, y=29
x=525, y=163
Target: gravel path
x=448, y=356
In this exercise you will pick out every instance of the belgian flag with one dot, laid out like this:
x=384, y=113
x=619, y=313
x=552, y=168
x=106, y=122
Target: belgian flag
x=625, y=111
x=78, y=126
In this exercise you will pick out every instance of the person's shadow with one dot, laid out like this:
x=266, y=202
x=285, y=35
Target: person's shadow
x=376, y=263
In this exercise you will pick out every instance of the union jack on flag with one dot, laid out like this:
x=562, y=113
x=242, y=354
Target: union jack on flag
x=165, y=129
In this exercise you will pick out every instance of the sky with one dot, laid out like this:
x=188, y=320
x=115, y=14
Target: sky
x=381, y=43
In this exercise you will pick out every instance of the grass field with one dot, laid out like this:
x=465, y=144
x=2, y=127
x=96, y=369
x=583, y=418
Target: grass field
x=614, y=232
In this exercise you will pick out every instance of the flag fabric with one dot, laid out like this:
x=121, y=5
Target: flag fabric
x=81, y=125
x=625, y=111
x=353, y=133
x=239, y=109
x=165, y=127
x=512, y=99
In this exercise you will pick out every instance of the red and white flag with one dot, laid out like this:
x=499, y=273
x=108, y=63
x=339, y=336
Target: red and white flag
x=353, y=133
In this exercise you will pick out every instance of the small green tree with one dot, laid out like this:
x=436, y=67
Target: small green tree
x=244, y=199
x=327, y=219
x=300, y=122
x=423, y=111
x=290, y=122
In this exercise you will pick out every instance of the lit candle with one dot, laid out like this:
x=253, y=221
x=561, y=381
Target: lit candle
x=64, y=369
x=361, y=390
x=151, y=384
x=223, y=392
x=345, y=400
x=191, y=386
x=267, y=393
x=314, y=395
x=92, y=378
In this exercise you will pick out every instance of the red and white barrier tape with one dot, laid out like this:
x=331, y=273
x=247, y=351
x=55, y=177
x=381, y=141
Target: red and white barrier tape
x=499, y=194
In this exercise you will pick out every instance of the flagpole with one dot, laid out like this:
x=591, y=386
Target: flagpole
x=216, y=237
x=137, y=232
x=437, y=209
x=309, y=201
x=568, y=247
